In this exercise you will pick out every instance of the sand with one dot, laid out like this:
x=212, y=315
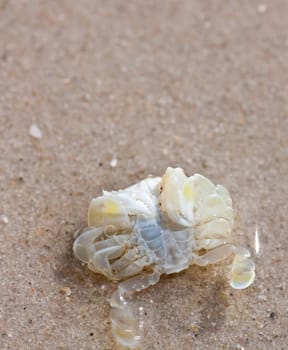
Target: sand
x=120, y=90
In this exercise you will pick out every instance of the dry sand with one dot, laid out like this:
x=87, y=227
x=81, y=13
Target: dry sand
x=197, y=84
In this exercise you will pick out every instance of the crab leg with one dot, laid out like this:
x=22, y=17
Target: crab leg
x=100, y=260
x=134, y=268
x=243, y=268
x=217, y=254
x=106, y=250
x=126, y=328
x=111, y=242
x=83, y=246
x=128, y=258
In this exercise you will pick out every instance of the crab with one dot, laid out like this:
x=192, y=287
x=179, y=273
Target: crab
x=158, y=226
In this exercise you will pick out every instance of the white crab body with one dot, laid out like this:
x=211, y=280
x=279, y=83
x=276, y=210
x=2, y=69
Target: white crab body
x=169, y=250
x=159, y=225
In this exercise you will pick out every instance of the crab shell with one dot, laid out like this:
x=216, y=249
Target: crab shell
x=188, y=202
x=117, y=208
x=196, y=202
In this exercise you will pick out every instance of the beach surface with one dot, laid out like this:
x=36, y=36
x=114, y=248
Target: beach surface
x=100, y=94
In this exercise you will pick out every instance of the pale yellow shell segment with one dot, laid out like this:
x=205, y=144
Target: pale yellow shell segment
x=214, y=206
x=175, y=198
x=224, y=193
x=116, y=207
x=196, y=202
x=199, y=186
x=217, y=228
x=107, y=211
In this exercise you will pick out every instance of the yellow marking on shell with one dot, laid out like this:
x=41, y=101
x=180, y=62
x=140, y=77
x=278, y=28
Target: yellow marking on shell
x=104, y=212
x=111, y=207
x=189, y=193
x=214, y=200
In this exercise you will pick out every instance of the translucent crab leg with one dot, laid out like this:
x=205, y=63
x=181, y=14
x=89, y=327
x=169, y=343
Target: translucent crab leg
x=242, y=273
x=217, y=254
x=127, y=259
x=133, y=269
x=100, y=261
x=126, y=328
x=83, y=246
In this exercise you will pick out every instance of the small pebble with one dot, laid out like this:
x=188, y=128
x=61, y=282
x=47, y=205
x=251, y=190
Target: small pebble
x=65, y=291
x=272, y=315
x=35, y=132
x=113, y=162
x=4, y=219
x=238, y=346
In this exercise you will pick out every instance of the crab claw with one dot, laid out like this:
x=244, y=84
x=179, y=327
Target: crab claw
x=196, y=202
